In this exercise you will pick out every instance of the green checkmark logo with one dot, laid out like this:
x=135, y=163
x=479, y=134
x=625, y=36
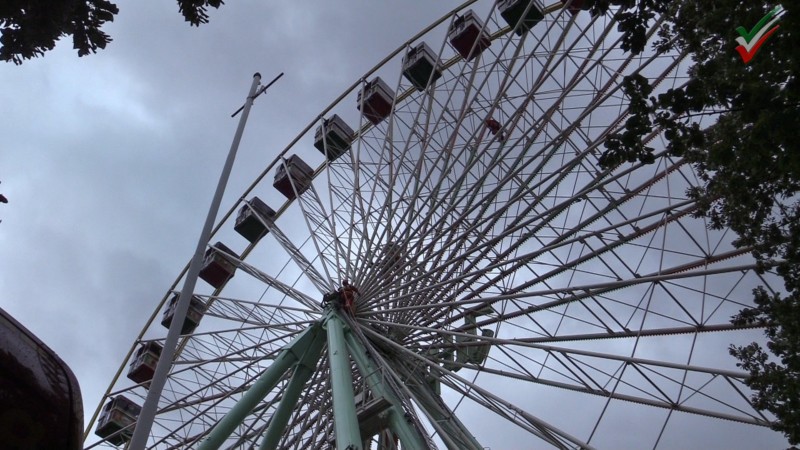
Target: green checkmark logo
x=750, y=41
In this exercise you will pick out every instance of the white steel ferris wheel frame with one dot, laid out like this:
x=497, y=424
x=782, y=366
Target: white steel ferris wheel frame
x=599, y=283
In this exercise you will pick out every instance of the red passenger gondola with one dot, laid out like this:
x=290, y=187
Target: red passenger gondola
x=143, y=364
x=217, y=267
x=468, y=36
x=375, y=100
x=249, y=221
x=293, y=175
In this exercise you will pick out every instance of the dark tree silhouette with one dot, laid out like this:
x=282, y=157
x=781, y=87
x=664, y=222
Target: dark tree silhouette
x=29, y=28
x=3, y=199
x=749, y=159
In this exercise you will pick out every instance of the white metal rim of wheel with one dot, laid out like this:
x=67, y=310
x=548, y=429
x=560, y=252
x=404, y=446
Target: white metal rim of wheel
x=610, y=303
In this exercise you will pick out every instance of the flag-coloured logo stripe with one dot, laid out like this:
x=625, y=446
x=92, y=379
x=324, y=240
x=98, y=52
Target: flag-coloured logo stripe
x=747, y=52
x=751, y=41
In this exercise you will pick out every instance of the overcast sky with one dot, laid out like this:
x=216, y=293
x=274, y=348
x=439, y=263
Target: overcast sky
x=109, y=161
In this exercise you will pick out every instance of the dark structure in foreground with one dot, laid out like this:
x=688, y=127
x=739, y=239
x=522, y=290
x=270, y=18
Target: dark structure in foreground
x=40, y=400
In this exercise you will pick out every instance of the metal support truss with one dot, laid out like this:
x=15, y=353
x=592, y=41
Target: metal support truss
x=302, y=372
x=313, y=274
x=348, y=435
x=303, y=351
x=409, y=435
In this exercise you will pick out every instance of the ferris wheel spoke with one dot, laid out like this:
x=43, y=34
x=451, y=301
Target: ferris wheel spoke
x=566, y=240
x=223, y=351
x=494, y=259
x=321, y=230
x=344, y=252
x=504, y=409
x=665, y=282
x=225, y=384
x=184, y=431
x=435, y=109
x=518, y=417
x=562, y=96
x=305, y=265
x=437, y=238
x=415, y=380
x=404, y=197
x=569, y=266
x=313, y=417
x=278, y=285
x=431, y=218
x=276, y=316
x=344, y=183
x=672, y=272
x=541, y=333
x=627, y=307
x=417, y=187
x=647, y=386
x=594, y=372
x=526, y=183
x=223, y=341
x=369, y=175
x=389, y=166
x=563, y=237
x=566, y=204
x=197, y=411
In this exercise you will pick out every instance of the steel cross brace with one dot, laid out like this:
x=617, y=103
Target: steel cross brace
x=302, y=372
x=345, y=420
x=409, y=435
x=302, y=353
x=301, y=356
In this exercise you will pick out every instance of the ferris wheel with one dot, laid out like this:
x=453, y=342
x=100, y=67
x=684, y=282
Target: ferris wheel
x=439, y=261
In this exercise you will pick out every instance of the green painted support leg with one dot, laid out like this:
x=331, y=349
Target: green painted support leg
x=302, y=372
x=345, y=421
x=459, y=437
x=410, y=436
x=290, y=355
x=387, y=440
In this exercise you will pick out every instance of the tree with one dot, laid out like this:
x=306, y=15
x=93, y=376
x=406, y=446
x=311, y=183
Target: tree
x=29, y=28
x=776, y=384
x=737, y=124
x=3, y=199
x=748, y=157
